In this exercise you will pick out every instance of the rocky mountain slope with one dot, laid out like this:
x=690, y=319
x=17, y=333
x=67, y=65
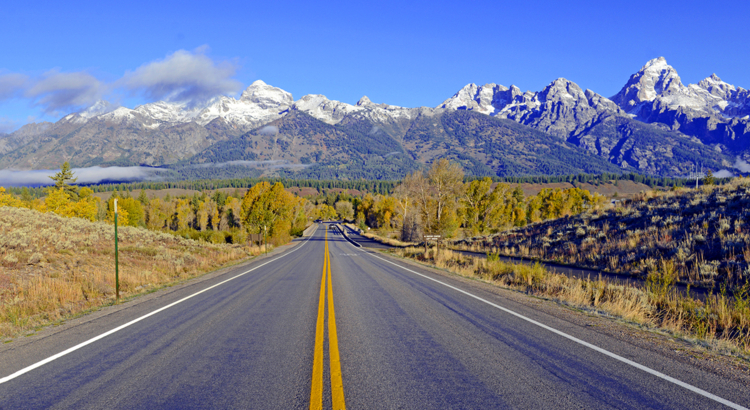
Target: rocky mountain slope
x=484, y=145
x=653, y=125
x=714, y=111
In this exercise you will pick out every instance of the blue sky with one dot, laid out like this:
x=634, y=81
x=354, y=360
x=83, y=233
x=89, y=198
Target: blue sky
x=56, y=57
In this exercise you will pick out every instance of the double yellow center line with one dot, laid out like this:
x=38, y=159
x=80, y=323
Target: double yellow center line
x=337, y=386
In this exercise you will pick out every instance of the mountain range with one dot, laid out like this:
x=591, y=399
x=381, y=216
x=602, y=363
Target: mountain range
x=654, y=125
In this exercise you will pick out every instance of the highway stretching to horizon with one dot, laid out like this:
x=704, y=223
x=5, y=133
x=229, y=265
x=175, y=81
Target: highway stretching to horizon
x=325, y=324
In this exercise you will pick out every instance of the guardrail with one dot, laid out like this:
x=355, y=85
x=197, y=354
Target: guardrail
x=309, y=230
x=343, y=233
x=353, y=228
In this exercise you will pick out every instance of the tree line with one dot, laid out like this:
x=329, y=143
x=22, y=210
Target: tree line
x=265, y=208
x=596, y=179
x=438, y=200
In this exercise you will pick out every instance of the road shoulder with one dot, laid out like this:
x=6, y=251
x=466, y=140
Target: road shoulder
x=648, y=339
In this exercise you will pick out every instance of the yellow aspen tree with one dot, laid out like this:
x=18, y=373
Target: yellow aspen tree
x=58, y=201
x=7, y=199
x=184, y=213
x=202, y=215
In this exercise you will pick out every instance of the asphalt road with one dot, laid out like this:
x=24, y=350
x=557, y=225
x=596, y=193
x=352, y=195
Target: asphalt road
x=404, y=340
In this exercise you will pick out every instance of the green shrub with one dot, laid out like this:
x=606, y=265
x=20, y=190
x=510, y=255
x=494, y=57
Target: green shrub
x=237, y=236
x=218, y=237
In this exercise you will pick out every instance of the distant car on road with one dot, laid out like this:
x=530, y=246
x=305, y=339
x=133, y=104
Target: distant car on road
x=317, y=221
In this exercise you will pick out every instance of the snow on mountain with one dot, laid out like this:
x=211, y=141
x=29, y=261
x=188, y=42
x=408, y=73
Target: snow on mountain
x=126, y=117
x=657, y=87
x=266, y=96
x=240, y=113
x=718, y=88
x=731, y=101
x=332, y=111
x=259, y=104
x=385, y=112
x=560, y=108
x=98, y=108
x=491, y=99
x=475, y=98
x=328, y=111
x=169, y=112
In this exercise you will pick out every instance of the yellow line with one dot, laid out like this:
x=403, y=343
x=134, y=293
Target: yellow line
x=337, y=385
x=316, y=391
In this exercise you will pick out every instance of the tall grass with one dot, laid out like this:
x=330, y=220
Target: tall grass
x=703, y=232
x=720, y=320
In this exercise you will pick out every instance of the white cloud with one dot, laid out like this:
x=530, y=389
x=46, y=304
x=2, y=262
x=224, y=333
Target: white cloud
x=723, y=174
x=11, y=84
x=269, y=130
x=91, y=175
x=742, y=165
x=56, y=91
x=183, y=76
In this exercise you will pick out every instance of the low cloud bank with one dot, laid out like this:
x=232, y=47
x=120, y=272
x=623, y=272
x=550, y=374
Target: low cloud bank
x=269, y=130
x=739, y=164
x=724, y=174
x=92, y=175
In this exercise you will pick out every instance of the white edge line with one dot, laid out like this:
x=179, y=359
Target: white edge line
x=117, y=329
x=579, y=341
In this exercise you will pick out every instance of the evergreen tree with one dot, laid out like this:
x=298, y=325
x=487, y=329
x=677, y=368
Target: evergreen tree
x=64, y=179
x=143, y=198
x=26, y=195
x=709, y=179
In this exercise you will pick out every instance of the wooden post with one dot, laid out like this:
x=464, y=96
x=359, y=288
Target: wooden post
x=428, y=238
x=117, y=261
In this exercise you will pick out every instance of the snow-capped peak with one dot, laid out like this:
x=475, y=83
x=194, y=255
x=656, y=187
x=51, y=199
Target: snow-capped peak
x=483, y=99
x=656, y=64
x=266, y=96
x=657, y=87
x=716, y=87
x=169, y=112
x=98, y=108
x=320, y=107
x=562, y=88
x=363, y=101
x=655, y=79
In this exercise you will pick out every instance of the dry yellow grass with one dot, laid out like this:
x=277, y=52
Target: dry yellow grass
x=704, y=232
x=53, y=267
x=720, y=321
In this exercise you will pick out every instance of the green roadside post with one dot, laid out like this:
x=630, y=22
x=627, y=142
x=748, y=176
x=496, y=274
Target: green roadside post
x=117, y=261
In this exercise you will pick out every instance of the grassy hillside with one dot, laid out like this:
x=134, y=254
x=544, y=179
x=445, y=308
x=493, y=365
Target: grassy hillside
x=53, y=267
x=703, y=234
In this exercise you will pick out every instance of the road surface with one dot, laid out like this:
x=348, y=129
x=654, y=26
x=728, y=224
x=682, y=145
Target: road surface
x=324, y=324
